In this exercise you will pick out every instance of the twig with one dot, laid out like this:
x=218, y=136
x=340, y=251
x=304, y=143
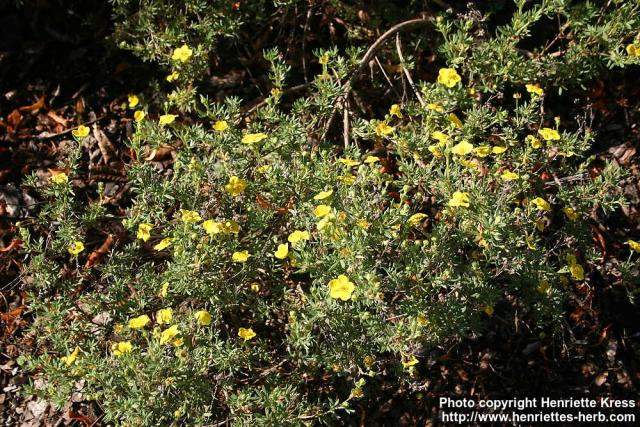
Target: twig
x=304, y=41
x=64, y=132
x=345, y=124
x=285, y=92
x=406, y=71
x=368, y=56
x=384, y=73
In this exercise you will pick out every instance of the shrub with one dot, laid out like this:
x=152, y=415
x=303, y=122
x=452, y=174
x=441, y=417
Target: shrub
x=266, y=261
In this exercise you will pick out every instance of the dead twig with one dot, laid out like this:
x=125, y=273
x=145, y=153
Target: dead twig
x=406, y=71
x=368, y=56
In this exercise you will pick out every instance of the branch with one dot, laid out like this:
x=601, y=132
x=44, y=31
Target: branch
x=368, y=56
x=406, y=72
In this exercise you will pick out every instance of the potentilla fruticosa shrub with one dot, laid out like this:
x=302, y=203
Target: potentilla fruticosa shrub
x=267, y=262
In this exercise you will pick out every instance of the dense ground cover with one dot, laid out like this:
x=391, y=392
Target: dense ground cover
x=293, y=247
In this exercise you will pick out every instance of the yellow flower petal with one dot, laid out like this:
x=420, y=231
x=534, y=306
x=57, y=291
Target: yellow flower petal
x=341, y=288
x=323, y=195
x=448, y=77
x=163, y=244
x=133, y=101
x=252, y=138
x=167, y=119
x=282, y=252
x=182, y=53
x=76, y=248
x=139, y=322
x=240, y=256
x=549, y=134
x=80, y=132
x=203, y=317
x=144, y=231
x=220, y=126
x=246, y=334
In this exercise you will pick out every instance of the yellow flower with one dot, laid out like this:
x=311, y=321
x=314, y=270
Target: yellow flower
x=539, y=225
x=144, y=231
x=577, y=272
x=371, y=159
x=395, y=111
x=422, y=320
x=220, y=126
x=212, y=227
x=322, y=210
x=416, y=219
x=164, y=316
x=298, y=236
x=203, y=317
x=441, y=137
x=189, y=216
x=166, y=119
x=363, y=223
x=368, y=361
x=507, y=175
x=80, y=132
x=324, y=59
x=541, y=204
x=544, y=286
x=323, y=195
x=409, y=362
x=498, y=149
x=482, y=151
x=139, y=322
x=133, y=101
x=448, y=77
x=252, y=138
x=534, y=89
x=173, y=76
x=349, y=162
x=435, y=150
x=635, y=246
x=489, y=310
x=59, y=178
x=533, y=141
x=455, y=121
x=459, y=198
x=163, y=244
x=230, y=227
x=240, y=256
x=384, y=129
x=462, y=148
x=255, y=287
x=68, y=360
x=120, y=348
x=76, y=248
x=633, y=50
x=435, y=107
x=549, y=134
x=571, y=213
x=182, y=53
x=138, y=116
x=282, y=252
x=357, y=393
x=164, y=289
x=347, y=179
x=341, y=288
x=235, y=186
x=246, y=334
x=169, y=334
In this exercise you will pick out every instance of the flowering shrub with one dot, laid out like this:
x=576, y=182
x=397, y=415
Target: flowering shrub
x=265, y=261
